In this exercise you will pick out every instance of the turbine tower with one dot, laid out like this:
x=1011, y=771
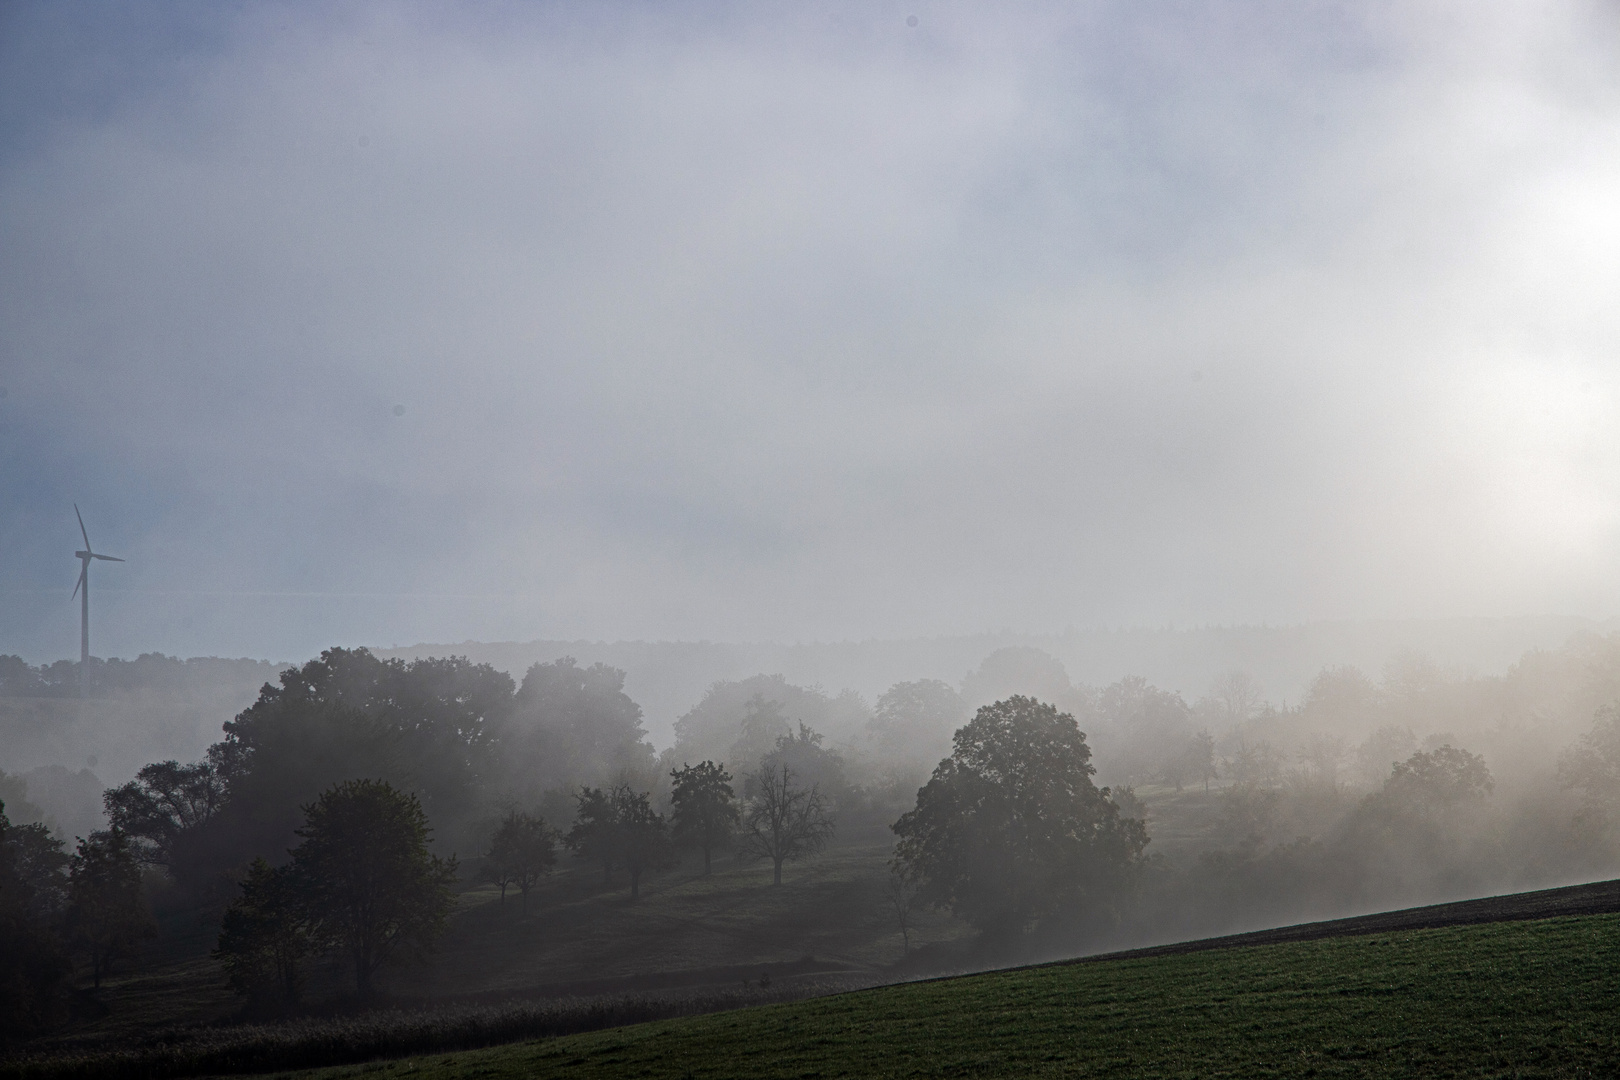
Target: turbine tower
x=84, y=587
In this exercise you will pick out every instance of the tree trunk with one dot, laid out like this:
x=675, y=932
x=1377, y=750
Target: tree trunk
x=635, y=884
x=705, y=860
x=778, y=863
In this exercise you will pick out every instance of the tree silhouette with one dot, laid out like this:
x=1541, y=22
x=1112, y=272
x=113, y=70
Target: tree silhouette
x=594, y=835
x=522, y=851
x=371, y=887
x=265, y=935
x=107, y=915
x=643, y=835
x=1010, y=827
x=784, y=822
x=901, y=889
x=165, y=806
x=32, y=960
x=619, y=826
x=705, y=807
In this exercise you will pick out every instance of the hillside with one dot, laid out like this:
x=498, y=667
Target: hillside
x=1523, y=999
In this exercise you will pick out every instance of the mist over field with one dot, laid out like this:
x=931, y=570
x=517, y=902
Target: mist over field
x=887, y=489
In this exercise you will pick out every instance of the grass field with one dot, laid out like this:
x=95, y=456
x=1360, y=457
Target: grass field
x=1520, y=999
x=831, y=907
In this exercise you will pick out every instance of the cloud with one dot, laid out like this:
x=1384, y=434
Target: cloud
x=736, y=323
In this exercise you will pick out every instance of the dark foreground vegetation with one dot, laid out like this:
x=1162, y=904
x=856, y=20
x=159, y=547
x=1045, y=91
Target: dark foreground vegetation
x=1521, y=999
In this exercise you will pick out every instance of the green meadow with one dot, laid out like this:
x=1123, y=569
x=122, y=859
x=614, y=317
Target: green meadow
x=1516, y=999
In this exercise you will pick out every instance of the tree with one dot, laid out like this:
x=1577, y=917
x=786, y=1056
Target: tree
x=914, y=718
x=901, y=890
x=265, y=935
x=370, y=885
x=784, y=822
x=811, y=762
x=1201, y=758
x=165, y=804
x=1146, y=730
x=740, y=721
x=705, y=807
x=594, y=835
x=1592, y=766
x=107, y=915
x=1342, y=697
x=1438, y=779
x=643, y=835
x=1018, y=669
x=1237, y=696
x=1322, y=754
x=1255, y=763
x=1010, y=828
x=33, y=963
x=1381, y=750
x=522, y=851
x=434, y=727
x=572, y=723
x=619, y=826
x=763, y=724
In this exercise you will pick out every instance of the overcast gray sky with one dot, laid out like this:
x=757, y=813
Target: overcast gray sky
x=388, y=323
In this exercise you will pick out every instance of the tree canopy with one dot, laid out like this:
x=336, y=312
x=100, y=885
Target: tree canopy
x=33, y=962
x=705, y=811
x=1010, y=827
x=522, y=851
x=370, y=886
x=265, y=935
x=618, y=827
x=572, y=724
x=914, y=718
x=107, y=914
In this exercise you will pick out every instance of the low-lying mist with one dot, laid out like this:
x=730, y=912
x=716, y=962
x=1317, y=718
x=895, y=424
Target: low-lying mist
x=1260, y=807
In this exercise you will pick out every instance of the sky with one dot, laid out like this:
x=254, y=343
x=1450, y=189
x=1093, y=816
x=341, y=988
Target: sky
x=387, y=323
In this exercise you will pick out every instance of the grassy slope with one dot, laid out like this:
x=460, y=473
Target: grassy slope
x=1507, y=999
x=580, y=937
x=832, y=907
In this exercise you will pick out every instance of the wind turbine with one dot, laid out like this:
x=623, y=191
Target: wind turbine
x=84, y=585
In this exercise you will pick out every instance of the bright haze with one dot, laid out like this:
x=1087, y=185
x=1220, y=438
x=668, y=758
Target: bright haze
x=386, y=323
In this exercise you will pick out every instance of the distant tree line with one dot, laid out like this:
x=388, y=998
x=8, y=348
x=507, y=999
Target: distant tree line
x=99, y=677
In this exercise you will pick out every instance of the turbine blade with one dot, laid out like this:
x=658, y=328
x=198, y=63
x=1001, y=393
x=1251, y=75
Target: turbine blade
x=108, y=558
x=83, y=572
x=81, y=527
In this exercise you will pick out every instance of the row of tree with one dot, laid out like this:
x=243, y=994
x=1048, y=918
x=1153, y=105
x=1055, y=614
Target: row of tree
x=781, y=819
x=362, y=884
